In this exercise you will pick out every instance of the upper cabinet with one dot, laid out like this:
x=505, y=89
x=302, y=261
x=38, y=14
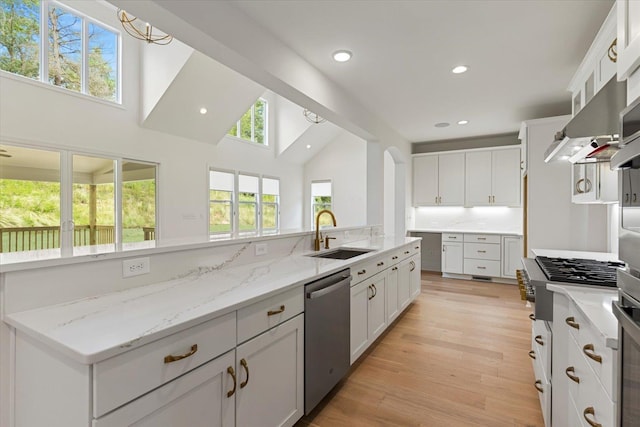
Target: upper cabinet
x=598, y=65
x=438, y=180
x=493, y=178
x=628, y=31
x=594, y=183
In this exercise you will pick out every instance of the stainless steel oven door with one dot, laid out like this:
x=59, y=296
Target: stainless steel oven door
x=627, y=311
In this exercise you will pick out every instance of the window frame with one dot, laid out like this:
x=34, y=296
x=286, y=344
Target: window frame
x=257, y=209
x=232, y=222
x=313, y=204
x=276, y=204
x=252, y=109
x=43, y=56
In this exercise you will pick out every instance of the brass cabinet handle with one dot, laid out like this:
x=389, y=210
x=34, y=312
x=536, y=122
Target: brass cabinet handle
x=570, y=371
x=481, y=268
x=482, y=238
x=243, y=362
x=612, y=52
x=489, y=199
x=231, y=372
x=587, y=185
x=436, y=200
x=587, y=349
x=578, y=189
x=274, y=312
x=532, y=354
x=372, y=294
x=171, y=358
x=413, y=265
x=532, y=316
x=538, y=339
x=571, y=321
x=590, y=411
x=380, y=264
x=482, y=252
x=375, y=291
x=538, y=386
x=363, y=271
x=453, y=237
x=440, y=200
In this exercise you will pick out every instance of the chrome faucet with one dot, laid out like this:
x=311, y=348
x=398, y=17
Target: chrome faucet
x=317, y=241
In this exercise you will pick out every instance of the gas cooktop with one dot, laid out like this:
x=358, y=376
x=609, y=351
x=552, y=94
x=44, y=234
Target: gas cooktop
x=579, y=271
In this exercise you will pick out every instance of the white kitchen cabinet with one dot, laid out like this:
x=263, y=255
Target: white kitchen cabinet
x=593, y=183
x=415, y=276
x=628, y=31
x=438, y=180
x=511, y=255
x=452, y=257
x=393, y=308
x=377, y=319
x=493, y=177
x=404, y=283
x=270, y=376
x=368, y=317
x=205, y=397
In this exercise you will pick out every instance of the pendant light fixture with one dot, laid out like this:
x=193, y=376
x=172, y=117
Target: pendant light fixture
x=313, y=117
x=141, y=30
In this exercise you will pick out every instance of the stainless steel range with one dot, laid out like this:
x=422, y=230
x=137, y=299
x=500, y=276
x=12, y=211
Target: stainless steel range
x=563, y=271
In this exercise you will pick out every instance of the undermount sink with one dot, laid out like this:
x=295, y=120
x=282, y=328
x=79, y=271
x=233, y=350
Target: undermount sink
x=343, y=253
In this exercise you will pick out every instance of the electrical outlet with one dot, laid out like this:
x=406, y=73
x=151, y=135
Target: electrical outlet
x=135, y=267
x=261, y=249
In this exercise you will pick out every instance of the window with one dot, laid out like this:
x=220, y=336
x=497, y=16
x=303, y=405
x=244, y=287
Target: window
x=252, y=125
x=241, y=203
x=320, y=199
x=78, y=209
x=80, y=54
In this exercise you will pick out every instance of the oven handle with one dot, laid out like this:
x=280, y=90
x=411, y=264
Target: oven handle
x=626, y=322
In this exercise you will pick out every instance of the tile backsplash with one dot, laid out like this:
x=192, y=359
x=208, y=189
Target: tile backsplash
x=508, y=220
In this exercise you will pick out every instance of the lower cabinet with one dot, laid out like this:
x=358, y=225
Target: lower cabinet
x=393, y=307
x=270, y=377
x=452, y=257
x=415, y=276
x=368, y=317
x=404, y=284
x=511, y=255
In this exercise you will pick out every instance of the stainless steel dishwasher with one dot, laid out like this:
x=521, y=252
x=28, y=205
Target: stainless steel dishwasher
x=327, y=318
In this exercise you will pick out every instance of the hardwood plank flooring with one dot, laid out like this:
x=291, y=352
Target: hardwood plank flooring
x=456, y=357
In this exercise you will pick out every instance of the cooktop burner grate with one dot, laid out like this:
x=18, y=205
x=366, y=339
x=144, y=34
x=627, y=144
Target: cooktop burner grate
x=579, y=271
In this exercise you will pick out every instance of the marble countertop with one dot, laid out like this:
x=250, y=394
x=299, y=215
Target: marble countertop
x=595, y=305
x=463, y=230
x=558, y=253
x=93, y=329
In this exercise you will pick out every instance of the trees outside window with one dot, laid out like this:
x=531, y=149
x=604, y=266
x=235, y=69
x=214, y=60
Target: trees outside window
x=252, y=125
x=81, y=54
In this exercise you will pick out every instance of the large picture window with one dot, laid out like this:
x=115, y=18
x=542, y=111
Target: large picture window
x=321, y=199
x=81, y=54
x=270, y=204
x=252, y=126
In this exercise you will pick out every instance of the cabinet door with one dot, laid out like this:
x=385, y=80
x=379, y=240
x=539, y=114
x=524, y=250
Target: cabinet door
x=425, y=181
x=451, y=179
x=452, y=257
x=270, y=374
x=415, y=276
x=505, y=177
x=393, y=309
x=197, y=399
x=404, y=284
x=359, y=318
x=511, y=255
x=377, y=316
x=628, y=22
x=478, y=178
x=585, y=183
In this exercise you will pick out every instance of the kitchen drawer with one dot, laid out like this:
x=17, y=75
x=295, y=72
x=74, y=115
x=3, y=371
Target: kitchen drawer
x=541, y=343
x=592, y=343
x=543, y=387
x=122, y=378
x=368, y=268
x=265, y=314
x=482, y=251
x=452, y=237
x=575, y=321
x=481, y=238
x=480, y=267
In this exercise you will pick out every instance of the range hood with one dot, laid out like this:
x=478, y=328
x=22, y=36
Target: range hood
x=592, y=134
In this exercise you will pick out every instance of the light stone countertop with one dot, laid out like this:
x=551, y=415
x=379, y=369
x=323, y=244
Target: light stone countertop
x=96, y=328
x=595, y=305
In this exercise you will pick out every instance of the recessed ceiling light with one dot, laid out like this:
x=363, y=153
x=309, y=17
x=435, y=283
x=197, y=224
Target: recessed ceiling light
x=441, y=125
x=203, y=110
x=463, y=122
x=308, y=146
x=459, y=69
x=342, y=55
x=564, y=157
x=577, y=148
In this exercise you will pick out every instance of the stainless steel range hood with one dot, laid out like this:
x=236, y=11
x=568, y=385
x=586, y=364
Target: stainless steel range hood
x=594, y=128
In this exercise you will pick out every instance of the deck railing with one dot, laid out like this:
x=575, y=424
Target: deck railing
x=18, y=239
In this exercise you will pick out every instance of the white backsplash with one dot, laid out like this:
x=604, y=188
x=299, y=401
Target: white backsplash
x=502, y=219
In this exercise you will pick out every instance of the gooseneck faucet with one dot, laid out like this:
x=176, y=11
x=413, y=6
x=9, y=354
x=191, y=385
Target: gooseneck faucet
x=317, y=240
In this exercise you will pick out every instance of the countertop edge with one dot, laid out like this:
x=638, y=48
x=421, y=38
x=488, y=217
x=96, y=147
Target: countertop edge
x=463, y=231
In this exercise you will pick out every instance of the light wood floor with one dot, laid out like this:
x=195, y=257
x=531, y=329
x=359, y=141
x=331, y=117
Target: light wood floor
x=456, y=357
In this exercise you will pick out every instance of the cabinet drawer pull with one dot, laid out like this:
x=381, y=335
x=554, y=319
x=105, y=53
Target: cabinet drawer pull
x=538, y=386
x=489, y=199
x=375, y=291
x=570, y=371
x=246, y=368
x=578, y=189
x=394, y=268
x=417, y=247
x=231, y=372
x=372, y=294
x=380, y=264
x=274, y=312
x=481, y=268
x=413, y=265
x=171, y=358
x=571, y=321
x=532, y=316
x=590, y=411
x=538, y=339
x=587, y=349
x=394, y=257
x=407, y=252
x=532, y=354
x=363, y=271
x=453, y=237
x=482, y=252
x=482, y=238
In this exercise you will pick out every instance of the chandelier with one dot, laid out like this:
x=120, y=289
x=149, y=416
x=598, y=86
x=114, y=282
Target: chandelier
x=313, y=117
x=140, y=30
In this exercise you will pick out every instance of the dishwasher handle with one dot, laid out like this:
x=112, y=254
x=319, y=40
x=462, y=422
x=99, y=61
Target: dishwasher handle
x=323, y=291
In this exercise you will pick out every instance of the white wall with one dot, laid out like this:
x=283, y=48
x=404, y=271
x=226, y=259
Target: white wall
x=344, y=162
